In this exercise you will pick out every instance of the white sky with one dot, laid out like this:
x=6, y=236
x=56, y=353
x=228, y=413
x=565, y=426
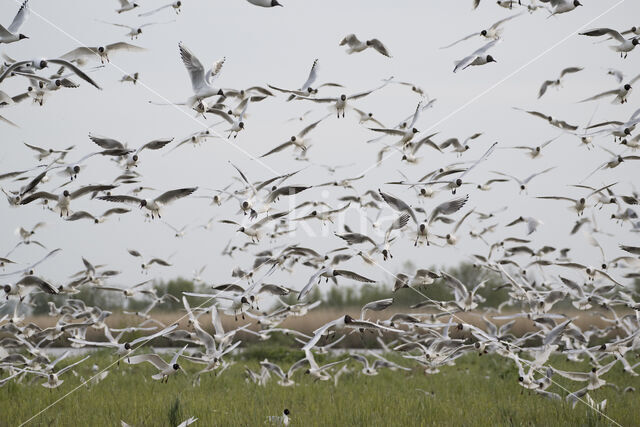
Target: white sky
x=277, y=46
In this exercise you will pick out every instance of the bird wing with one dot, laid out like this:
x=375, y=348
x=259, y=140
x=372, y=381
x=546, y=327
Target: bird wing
x=20, y=18
x=398, y=204
x=38, y=195
x=465, y=62
x=156, y=144
x=378, y=46
x=106, y=143
x=311, y=283
x=353, y=276
x=351, y=39
x=121, y=199
x=448, y=208
x=194, y=67
x=90, y=189
x=461, y=40
x=313, y=75
x=76, y=70
x=173, y=195
x=597, y=32
x=154, y=359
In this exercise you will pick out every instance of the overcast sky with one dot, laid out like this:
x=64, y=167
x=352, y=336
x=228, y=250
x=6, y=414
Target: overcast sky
x=277, y=46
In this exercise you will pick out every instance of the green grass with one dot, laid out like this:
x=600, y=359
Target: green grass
x=476, y=391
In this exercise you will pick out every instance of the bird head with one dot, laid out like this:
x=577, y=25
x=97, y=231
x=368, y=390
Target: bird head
x=7, y=289
x=76, y=169
x=286, y=411
x=483, y=33
x=65, y=193
x=348, y=319
x=275, y=3
x=127, y=346
x=576, y=3
x=241, y=125
x=176, y=366
x=293, y=139
x=627, y=87
x=415, y=130
x=22, y=37
x=343, y=97
x=101, y=49
x=139, y=31
x=582, y=200
x=143, y=203
x=135, y=157
x=241, y=229
x=491, y=59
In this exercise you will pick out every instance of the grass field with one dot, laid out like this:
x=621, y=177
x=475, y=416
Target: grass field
x=476, y=391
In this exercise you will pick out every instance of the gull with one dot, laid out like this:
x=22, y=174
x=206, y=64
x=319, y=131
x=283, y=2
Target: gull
x=406, y=134
x=617, y=74
x=285, y=379
x=317, y=371
x=255, y=231
x=560, y=124
x=201, y=82
x=562, y=6
x=196, y=138
x=493, y=33
x=580, y=204
x=330, y=273
x=265, y=3
x=135, y=32
x=457, y=146
x=41, y=63
x=327, y=215
x=366, y=117
x=131, y=159
x=279, y=419
x=147, y=265
x=126, y=5
x=28, y=284
x=306, y=89
x=451, y=238
x=624, y=47
x=593, y=377
x=341, y=103
x=525, y=181
x=465, y=299
x=478, y=57
x=591, y=272
x=557, y=82
x=64, y=199
x=615, y=161
x=367, y=369
x=532, y=223
x=619, y=94
x=53, y=378
x=534, y=152
x=122, y=349
x=12, y=34
x=237, y=124
x=355, y=45
x=298, y=140
x=129, y=292
x=78, y=215
x=153, y=205
x=378, y=305
x=166, y=369
x=83, y=54
x=176, y=5
x=43, y=153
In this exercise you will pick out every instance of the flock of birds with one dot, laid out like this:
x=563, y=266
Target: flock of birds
x=432, y=335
